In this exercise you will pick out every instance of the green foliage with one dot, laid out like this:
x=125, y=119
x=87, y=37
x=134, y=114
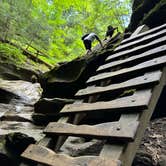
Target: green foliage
x=10, y=53
x=55, y=27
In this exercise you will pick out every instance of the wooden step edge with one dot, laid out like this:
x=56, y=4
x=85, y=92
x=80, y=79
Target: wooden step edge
x=149, y=79
x=110, y=130
x=46, y=156
x=153, y=30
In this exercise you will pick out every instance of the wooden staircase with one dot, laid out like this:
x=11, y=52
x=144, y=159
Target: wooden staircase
x=128, y=85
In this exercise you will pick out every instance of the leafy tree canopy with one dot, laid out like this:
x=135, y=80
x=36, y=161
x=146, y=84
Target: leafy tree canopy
x=55, y=27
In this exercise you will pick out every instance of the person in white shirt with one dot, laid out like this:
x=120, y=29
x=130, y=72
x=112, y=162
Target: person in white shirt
x=88, y=39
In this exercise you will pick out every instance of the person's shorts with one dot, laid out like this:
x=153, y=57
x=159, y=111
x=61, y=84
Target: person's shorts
x=88, y=44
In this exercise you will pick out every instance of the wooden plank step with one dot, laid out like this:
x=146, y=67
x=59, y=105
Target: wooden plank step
x=140, y=29
x=141, y=40
x=127, y=153
x=142, y=67
x=112, y=130
x=135, y=50
x=139, y=100
x=46, y=156
x=154, y=30
x=135, y=59
x=146, y=80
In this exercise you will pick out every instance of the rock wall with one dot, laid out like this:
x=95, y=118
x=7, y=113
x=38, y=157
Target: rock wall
x=149, y=12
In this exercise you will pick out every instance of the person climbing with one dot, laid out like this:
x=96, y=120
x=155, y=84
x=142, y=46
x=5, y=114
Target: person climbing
x=88, y=39
x=110, y=31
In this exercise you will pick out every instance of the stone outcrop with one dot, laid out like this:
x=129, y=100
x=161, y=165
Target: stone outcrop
x=54, y=105
x=19, y=91
x=12, y=72
x=65, y=80
x=17, y=130
x=11, y=146
x=149, y=12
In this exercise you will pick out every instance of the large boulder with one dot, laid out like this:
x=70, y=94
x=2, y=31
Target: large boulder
x=61, y=81
x=7, y=127
x=11, y=146
x=65, y=80
x=149, y=12
x=54, y=105
x=4, y=154
x=47, y=109
x=19, y=113
x=19, y=92
x=14, y=72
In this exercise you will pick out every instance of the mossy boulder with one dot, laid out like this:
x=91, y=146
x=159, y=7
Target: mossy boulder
x=18, y=142
x=14, y=65
x=66, y=79
x=13, y=72
x=4, y=154
x=11, y=146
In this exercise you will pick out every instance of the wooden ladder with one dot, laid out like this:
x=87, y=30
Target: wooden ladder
x=124, y=92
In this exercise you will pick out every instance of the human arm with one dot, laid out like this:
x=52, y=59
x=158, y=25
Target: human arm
x=106, y=35
x=97, y=38
x=116, y=28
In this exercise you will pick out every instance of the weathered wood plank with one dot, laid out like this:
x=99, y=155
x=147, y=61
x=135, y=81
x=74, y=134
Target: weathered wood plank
x=113, y=130
x=127, y=153
x=149, y=79
x=135, y=59
x=143, y=40
x=135, y=50
x=46, y=141
x=140, y=29
x=153, y=30
x=142, y=67
x=46, y=156
x=139, y=100
x=61, y=139
x=115, y=150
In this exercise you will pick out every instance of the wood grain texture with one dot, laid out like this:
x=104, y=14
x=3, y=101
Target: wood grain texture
x=146, y=80
x=137, y=49
x=138, y=101
x=142, y=67
x=148, y=55
x=46, y=156
x=127, y=153
x=142, y=40
x=140, y=29
x=153, y=30
x=112, y=130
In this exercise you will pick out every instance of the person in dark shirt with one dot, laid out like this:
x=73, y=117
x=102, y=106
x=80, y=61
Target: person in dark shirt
x=88, y=39
x=110, y=31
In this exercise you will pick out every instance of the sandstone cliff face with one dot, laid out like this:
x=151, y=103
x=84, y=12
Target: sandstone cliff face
x=149, y=12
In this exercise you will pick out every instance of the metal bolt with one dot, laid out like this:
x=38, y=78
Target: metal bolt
x=118, y=128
